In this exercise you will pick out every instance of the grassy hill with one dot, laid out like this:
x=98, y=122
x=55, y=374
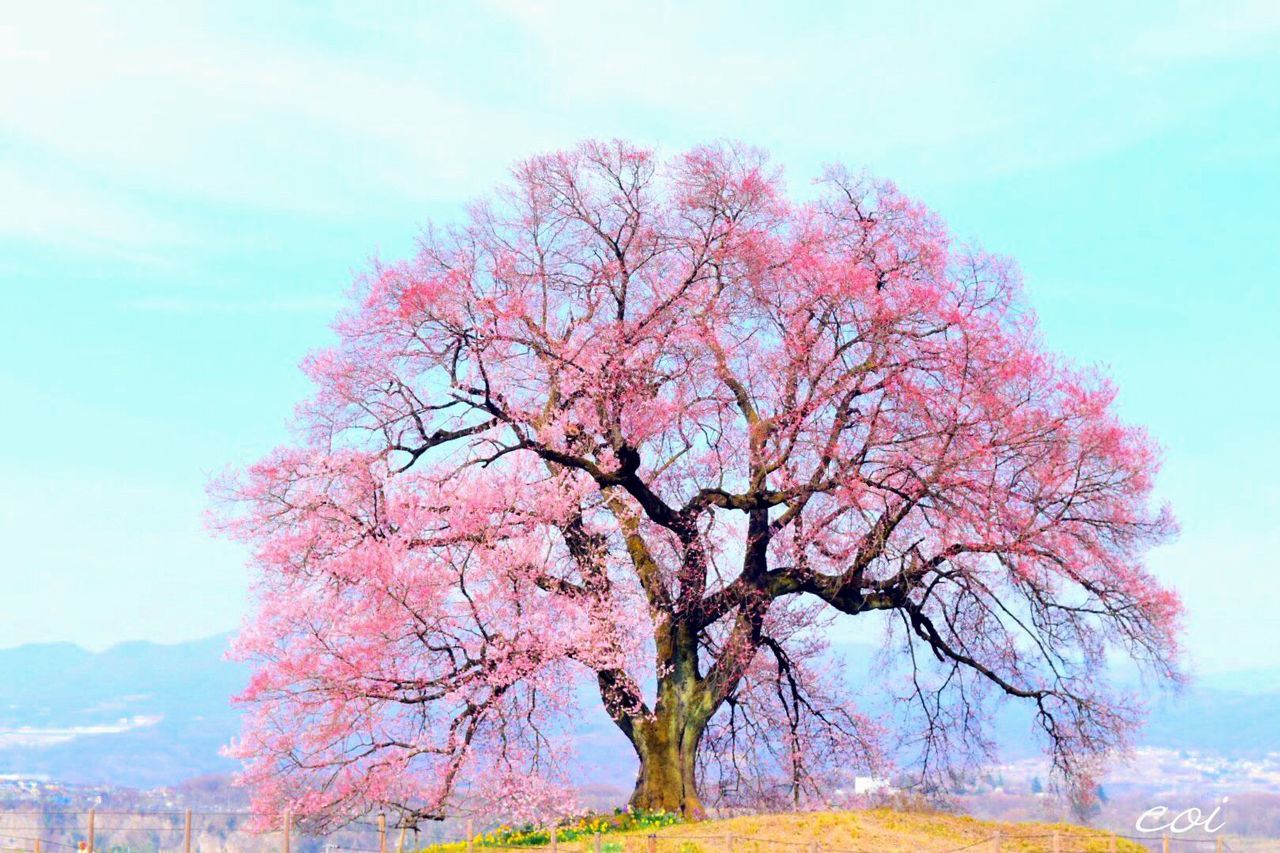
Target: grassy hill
x=880, y=830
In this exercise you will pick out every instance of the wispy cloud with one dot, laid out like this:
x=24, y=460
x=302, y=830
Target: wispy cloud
x=49, y=207
x=182, y=305
x=1212, y=30
x=208, y=106
x=31, y=737
x=179, y=99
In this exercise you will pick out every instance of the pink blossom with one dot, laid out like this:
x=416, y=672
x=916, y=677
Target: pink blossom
x=656, y=426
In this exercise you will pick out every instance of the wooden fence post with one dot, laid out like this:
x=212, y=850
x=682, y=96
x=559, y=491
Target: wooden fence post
x=1217, y=845
x=653, y=843
x=471, y=847
x=93, y=814
x=1111, y=844
x=813, y=847
x=382, y=834
x=728, y=842
x=186, y=832
x=404, y=827
x=995, y=842
x=598, y=842
x=288, y=830
x=1164, y=842
x=1057, y=842
x=555, y=838
x=37, y=845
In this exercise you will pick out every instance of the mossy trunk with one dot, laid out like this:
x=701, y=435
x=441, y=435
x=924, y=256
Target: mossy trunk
x=667, y=741
x=667, y=746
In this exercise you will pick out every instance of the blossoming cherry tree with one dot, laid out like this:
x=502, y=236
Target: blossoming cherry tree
x=657, y=429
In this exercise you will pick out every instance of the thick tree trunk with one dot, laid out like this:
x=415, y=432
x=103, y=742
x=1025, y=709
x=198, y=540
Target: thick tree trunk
x=666, y=741
x=667, y=746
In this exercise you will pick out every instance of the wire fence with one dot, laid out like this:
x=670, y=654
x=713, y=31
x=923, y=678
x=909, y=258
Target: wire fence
x=106, y=831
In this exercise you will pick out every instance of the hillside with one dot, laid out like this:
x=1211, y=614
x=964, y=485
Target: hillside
x=880, y=830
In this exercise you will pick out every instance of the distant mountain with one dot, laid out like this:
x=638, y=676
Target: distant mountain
x=1232, y=722
x=144, y=715
x=138, y=715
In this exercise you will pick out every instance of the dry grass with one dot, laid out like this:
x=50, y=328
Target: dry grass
x=871, y=831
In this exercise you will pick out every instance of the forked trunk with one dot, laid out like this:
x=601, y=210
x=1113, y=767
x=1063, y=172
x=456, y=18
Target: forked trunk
x=666, y=741
x=667, y=746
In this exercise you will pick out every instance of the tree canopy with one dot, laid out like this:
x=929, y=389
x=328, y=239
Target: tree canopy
x=657, y=426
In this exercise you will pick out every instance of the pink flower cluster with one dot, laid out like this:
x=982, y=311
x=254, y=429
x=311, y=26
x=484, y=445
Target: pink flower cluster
x=654, y=424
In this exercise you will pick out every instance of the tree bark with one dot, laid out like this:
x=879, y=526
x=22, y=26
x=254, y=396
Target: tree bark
x=667, y=746
x=666, y=741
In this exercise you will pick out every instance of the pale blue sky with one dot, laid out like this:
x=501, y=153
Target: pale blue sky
x=185, y=190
